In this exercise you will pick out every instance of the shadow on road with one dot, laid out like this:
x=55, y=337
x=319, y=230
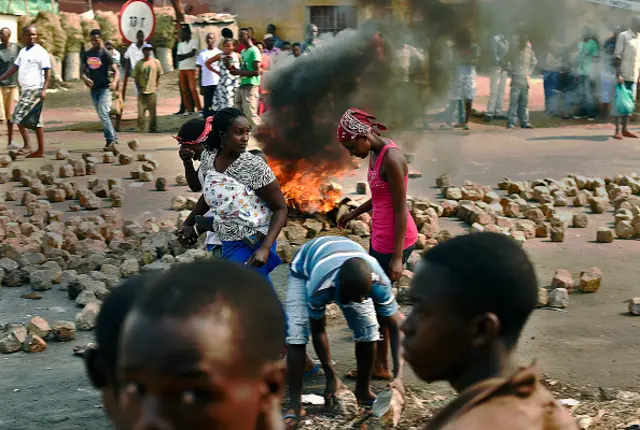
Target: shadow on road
x=587, y=138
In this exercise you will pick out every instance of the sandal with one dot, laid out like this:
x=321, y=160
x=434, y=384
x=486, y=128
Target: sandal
x=313, y=371
x=23, y=151
x=294, y=419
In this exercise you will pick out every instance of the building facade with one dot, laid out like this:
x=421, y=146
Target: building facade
x=293, y=16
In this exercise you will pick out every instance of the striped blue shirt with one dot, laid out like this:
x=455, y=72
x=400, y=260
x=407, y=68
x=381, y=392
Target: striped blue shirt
x=319, y=261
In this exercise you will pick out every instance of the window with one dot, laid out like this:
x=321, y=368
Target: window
x=332, y=19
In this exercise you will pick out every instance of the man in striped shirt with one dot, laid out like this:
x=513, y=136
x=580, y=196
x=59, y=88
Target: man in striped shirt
x=337, y=270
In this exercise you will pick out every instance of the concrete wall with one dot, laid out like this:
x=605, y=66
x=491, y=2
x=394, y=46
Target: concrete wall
x=10, y=21
x=291, y=16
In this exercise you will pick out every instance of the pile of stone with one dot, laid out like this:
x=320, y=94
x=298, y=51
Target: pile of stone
x=562, y=284
x=537, y=202
x=85, y=255
x=16, y=337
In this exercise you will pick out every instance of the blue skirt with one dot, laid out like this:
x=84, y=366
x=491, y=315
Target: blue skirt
x=240, y=252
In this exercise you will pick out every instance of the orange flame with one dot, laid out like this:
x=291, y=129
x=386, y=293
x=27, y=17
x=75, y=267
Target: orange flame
x=308, y=188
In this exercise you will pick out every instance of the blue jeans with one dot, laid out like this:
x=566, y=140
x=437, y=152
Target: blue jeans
x=551, y=81
x=361, y=317
x=451, y=110
x=586, y=88
x=519, y=105
x=102, y=102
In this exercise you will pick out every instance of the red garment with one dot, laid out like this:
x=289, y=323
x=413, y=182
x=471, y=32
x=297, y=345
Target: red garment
x=383, y=219
x=241, y=47
x=265, y=65
x=356, y=123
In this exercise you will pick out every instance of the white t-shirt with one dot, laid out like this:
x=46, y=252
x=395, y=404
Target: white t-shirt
x=186, y=48
x=31, y=63
x=208, y=77
x=134, y=54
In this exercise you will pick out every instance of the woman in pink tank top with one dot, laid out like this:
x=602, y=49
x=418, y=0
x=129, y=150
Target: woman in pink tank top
x=393, y=231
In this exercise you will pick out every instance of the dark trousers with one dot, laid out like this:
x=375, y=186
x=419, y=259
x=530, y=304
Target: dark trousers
x=385, y=259
x=551, y=80
x=208, y=93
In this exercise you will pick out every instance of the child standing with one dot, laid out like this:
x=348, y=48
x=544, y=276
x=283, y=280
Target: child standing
x=147, y=75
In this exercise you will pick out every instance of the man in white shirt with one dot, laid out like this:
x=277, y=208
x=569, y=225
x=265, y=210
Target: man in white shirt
x=627, y=55
x=208, y=80
x=33, y=65
x=132, y=55
x=187, y=53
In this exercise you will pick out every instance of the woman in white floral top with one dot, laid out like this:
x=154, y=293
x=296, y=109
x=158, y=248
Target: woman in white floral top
x=241, y=194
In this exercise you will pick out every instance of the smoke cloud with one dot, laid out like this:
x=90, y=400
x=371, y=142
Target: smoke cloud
x=366, y=68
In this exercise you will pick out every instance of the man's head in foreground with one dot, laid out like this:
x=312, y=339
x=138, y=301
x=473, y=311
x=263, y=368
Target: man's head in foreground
x=201, y=350
x=472, y=295
x=101, y=362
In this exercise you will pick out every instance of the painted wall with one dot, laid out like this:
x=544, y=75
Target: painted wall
x=10, y=21
x=291, y=16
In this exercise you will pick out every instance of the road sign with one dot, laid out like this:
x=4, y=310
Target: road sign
x=136, y=15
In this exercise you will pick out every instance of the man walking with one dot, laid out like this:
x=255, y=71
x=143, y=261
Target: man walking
x=33, y=65
x=8, y=88
x=499, y=76
x=208, y=80
x=186, y=57
x=248, y=94
x=147, y=75
x=96, y=67
x=626, y=59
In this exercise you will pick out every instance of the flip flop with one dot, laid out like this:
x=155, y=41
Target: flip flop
x=295, y=421
x=23, y=152
x=313, y=371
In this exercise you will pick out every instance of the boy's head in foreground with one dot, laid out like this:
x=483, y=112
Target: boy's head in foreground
x=355, y=280
x=472, y=295
x=101, y=362
x=201, y=349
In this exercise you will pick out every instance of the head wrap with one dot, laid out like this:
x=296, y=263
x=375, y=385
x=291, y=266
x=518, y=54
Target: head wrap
x=356, y=123
x=208, y=126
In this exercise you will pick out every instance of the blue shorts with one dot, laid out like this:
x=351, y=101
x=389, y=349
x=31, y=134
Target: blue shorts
x=361, y=317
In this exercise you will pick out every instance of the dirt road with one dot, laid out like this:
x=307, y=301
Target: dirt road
x=590, y=343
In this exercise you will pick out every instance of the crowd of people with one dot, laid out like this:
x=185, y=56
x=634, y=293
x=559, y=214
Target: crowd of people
x=209, y=345
x=226, y=73
x=581, y=80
